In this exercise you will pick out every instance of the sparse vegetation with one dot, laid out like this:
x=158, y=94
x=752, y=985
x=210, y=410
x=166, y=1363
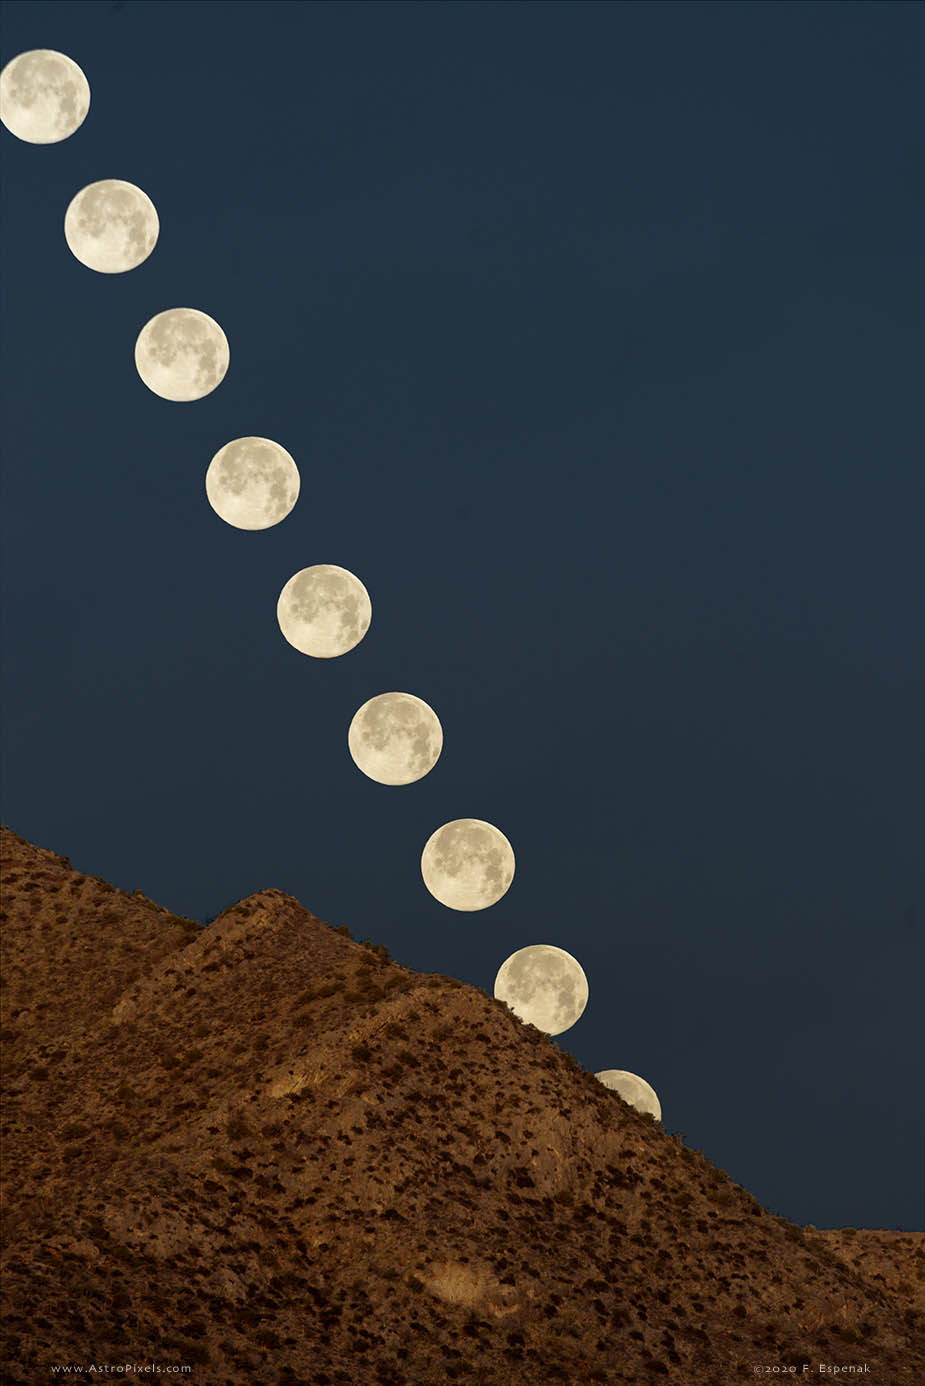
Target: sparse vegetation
x=74, y=1131
x=237, y=1127
x=570, y=1235
x=374, y=950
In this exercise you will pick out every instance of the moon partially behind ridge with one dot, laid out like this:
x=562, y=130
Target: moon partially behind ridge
x=252, y=483
x=44, y=96
x=544, y=986
x=395, y=738
x=633, y=1089
x=182, y=354
x=111, y=226
x=324, y=611
x=467, y=864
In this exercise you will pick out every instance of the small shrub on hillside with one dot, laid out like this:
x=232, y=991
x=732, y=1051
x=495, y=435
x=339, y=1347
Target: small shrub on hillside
x=189, y=1352
x=74, y=1131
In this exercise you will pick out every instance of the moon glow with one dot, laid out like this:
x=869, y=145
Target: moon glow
x=467, y=864
x=633, y=1089
x=111, y=226
x=544, y=986
x=324, y=611
x=395, y=738
x=252, y=483
x=182, y=354
x=44, y=96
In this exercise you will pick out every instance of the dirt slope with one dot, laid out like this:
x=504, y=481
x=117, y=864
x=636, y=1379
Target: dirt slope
x=268, y=1152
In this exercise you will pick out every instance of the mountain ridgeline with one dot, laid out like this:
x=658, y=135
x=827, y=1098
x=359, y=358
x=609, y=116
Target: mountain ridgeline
x=264, y=1150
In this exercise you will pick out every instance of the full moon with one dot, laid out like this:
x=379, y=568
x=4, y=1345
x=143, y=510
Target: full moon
x=111, y=226
x=395, y=738
x=44, y=96
x=544, y=986
x=632, y=1089
x=182, y=354
x=252, y=483
x=324, y=611
x=467, y=864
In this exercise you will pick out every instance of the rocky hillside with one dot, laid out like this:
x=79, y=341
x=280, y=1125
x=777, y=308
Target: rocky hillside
x=265, y=1151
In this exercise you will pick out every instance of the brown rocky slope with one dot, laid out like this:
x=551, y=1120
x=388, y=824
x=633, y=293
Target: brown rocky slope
x=264, y=1151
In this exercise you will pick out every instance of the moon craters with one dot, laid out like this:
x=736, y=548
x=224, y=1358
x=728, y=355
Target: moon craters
x=633, y=1089
x=467, y=864
x=324, y=611
x=182, y=354
x=544, y=986
x=44, y=96
x=395, y=738
x=252, y=483
x=111, y=226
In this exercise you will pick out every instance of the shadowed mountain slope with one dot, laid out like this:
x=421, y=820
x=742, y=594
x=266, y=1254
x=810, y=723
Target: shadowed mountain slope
x=265, y=1150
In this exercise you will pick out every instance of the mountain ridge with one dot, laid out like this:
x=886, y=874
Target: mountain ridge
x=263, y=1145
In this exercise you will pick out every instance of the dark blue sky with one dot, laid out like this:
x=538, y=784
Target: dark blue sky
x=596, y=334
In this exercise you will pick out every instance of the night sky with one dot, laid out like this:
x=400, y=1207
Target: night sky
x=596, y=332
